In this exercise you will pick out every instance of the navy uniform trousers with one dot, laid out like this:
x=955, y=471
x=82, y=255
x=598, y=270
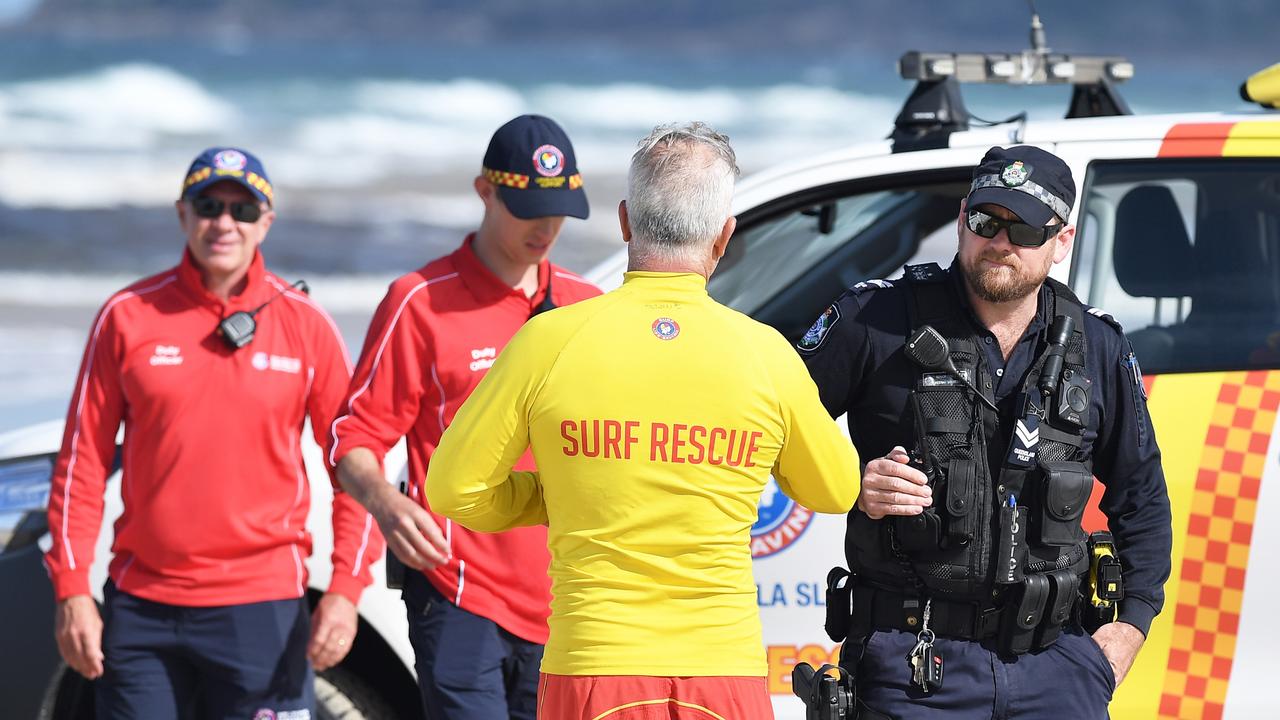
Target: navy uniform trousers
x=469, y=667
x=236, y=661
x=1069, y=679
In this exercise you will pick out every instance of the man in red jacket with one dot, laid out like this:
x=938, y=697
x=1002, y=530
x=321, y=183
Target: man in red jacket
x=204, y=608
x=478, y=610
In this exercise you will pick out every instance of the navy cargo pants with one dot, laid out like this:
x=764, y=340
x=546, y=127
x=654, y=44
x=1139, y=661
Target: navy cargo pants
x=1069, y=679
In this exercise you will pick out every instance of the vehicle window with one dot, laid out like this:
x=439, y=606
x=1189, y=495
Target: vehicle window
x=1186, y=255
x=786, y=266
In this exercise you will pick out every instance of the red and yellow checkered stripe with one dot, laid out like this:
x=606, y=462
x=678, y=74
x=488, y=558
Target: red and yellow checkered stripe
x=1216, y=557
x=195, y=177
x=509, y=179
x=521, y=182
x=252, y=178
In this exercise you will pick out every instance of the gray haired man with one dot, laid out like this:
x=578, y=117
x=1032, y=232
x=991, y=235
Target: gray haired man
x=656, y=415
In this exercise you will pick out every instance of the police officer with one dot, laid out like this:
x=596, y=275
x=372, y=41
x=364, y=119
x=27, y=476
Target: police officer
x=986, y=397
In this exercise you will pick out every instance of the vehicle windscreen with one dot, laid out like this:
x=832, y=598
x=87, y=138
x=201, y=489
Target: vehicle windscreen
x=787, y=265
x=1186, y=255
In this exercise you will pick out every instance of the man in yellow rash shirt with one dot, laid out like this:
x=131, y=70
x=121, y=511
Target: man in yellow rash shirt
x=655, y=415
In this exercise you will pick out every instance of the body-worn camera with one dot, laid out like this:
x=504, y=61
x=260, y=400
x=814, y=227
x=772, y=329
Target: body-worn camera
x=1073, y=398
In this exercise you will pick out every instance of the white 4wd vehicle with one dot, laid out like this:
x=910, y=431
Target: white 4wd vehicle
x=1179, y=239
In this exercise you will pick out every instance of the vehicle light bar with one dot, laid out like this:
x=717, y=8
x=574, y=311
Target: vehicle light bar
x=1026, y=68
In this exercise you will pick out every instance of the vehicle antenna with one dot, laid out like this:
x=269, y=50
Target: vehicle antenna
x=1037, y=32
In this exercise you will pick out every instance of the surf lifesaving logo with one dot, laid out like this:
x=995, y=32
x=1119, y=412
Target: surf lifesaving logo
x=779, y=523
x=665, y=328
x=548, y=161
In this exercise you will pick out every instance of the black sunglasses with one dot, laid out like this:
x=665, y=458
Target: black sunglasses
x=1020, y=233
x=208, y=207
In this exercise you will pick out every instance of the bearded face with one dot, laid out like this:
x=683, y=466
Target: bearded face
x=998, y=271
x=1003, y=276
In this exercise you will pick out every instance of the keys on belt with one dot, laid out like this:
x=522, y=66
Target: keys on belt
x=924, y=659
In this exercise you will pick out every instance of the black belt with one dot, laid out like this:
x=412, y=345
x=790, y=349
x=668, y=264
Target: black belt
x=889, y=610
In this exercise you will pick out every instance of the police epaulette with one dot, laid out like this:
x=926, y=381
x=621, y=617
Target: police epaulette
x=869, y=285
x=924, y=272
x=1105, y=317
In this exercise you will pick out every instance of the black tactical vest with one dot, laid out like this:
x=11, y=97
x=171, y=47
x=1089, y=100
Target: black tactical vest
x=953, y=550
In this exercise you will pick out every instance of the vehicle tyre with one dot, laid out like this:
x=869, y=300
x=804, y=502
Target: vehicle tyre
x=342, y=695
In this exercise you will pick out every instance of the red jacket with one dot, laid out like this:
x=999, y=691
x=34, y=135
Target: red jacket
x=214, y=489
x=431, y=341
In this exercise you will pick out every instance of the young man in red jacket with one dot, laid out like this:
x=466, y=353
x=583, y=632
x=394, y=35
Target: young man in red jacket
x=205, y=605
x=478, y=610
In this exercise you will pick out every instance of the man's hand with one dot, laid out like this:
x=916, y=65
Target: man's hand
x=333, y=629
x=78, y=630
x=410, y=531
x=1120, y=642
x=892, y=487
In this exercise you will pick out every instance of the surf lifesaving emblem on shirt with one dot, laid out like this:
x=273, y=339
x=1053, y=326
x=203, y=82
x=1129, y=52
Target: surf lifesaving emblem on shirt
x=278, y=363
x=814, y=336
x=483, y=358
x=167, y=355
x=665, y=328
x=780, y=521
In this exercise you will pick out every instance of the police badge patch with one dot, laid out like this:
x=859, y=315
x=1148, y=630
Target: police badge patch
x=813, y=338
x=1015, y=173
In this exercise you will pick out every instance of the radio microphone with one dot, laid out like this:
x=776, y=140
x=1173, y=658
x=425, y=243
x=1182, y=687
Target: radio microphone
x=927, y=348
x=237, y=329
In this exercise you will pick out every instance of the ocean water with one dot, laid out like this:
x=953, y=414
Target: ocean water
x=372, y=148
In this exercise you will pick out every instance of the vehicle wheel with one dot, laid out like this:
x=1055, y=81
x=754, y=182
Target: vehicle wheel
x=342, y=695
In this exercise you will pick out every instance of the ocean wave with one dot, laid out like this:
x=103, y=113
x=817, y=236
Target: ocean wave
x=464, y=100
x=121, y=106
x=335, y=293
x=123, y=134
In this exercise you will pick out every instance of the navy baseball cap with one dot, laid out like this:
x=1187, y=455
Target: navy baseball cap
x=1033, y=184
x=531, y=161
x=218, y=164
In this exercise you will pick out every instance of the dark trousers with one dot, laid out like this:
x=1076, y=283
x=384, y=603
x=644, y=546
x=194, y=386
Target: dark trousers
x=1069, y=679
x=469, y=668
x=236, y=661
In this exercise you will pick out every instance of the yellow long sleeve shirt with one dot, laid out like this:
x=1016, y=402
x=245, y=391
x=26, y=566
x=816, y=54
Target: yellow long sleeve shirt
x=655, y=415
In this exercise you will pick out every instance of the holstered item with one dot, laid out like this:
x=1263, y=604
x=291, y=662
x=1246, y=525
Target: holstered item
x=839, y=604
x=1105, y=588
x=1064, y=587
x=1023, y=615
x=1011, y=551
x=825, y=697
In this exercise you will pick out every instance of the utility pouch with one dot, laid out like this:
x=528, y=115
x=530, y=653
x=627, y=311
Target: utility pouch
x=1064, y=589
x=1011, y=551
x=1066, y=490
x=1023, y=615
x=918, y=533
x=962, y=482
x=839, y=604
